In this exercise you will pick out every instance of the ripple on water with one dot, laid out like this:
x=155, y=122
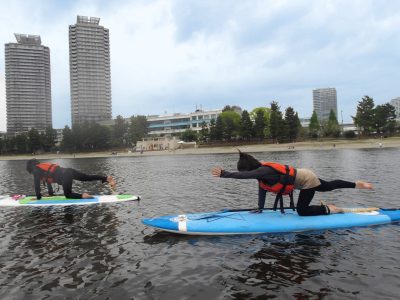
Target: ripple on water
x=100, y=252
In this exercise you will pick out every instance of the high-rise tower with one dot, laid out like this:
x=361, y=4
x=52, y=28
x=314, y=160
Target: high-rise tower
x=90, y=75
x=28, y=84
x=324, y=100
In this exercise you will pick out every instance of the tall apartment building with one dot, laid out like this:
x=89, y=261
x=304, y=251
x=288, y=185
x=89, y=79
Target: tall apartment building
x=90, y=75
x=28, y=84
x=396, y=103
x=324, y=100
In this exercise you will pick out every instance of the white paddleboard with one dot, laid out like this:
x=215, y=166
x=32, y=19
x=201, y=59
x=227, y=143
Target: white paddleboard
x=22, y=200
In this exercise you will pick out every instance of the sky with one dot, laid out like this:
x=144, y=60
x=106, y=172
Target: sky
x=172, y=56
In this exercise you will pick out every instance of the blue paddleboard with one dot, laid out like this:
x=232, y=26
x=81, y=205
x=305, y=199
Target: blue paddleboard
x=243, y=222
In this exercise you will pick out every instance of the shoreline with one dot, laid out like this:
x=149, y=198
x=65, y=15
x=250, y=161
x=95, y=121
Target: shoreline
x=393, y=142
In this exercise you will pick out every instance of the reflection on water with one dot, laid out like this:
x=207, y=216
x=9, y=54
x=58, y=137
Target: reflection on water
x=103, y=251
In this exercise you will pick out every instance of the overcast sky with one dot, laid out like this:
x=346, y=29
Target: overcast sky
x=171, y=56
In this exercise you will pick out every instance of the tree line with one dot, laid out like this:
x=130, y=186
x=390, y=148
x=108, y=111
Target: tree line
x=260, y=123
x=89, y=136
x=231, y=125
x=380, y=119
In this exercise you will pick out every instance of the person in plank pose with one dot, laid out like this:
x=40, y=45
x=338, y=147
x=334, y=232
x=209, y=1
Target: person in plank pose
x=283, y=179
x=49, y=173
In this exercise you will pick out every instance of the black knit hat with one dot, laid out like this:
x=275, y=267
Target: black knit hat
x=247, y=162
x=30, y=164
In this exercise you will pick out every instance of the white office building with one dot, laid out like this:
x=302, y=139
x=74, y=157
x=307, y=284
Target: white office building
x=396, y=103
x=324, y=100
x=28, y=84
x=90, y=74
x=173, y=124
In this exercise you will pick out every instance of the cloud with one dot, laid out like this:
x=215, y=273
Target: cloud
x=174, y=55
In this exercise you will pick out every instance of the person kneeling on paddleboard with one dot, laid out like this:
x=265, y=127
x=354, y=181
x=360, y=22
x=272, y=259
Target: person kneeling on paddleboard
x=52, y=173
x=282, y=179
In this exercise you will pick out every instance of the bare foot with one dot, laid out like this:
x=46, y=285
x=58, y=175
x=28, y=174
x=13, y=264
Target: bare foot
x=111, y=182
x=334, y=209
x=364, y=185
x=86, y=196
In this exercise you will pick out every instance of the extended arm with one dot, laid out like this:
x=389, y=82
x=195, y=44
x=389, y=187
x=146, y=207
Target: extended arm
x=259, y=174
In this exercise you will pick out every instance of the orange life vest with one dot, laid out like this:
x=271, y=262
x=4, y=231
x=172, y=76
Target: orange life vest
x=49, y=168
x=285, y=184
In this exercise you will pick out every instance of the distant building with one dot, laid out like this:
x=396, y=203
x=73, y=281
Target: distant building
x=396, y=103
x=175, y=124
x=90, y=75
x=59, y=136
x=304, y=122
x=28, y=84
x=169, y=125
x=163, y=143
x=324, y=100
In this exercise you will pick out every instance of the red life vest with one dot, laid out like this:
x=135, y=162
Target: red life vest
x=49, y=168
x=285, y=184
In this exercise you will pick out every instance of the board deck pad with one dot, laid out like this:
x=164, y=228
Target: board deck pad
x=22, y=200
x=244, y=222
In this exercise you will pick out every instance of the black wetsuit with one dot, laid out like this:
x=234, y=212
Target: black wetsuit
x=64, y=177
x=270, y=177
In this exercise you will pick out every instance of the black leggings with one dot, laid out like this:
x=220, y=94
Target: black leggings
x=69, y=174
x=303, y=204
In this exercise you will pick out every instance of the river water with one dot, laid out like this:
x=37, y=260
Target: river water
x=105, y=252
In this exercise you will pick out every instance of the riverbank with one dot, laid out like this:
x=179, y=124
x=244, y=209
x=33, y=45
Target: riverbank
x=300, y=146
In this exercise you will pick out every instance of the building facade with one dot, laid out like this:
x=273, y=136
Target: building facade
x=90, y=73
x=324, y=100
x=169, y=125
x=396, y=103
x=28, y=85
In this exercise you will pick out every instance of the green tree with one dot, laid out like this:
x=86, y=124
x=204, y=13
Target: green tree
x=292, y=123
x=365, y=118
x=332, y=127
x=97, y=137
x=49, y=139
x=138, y=128
x=231, y=108
x=120, y=129
x=79, y=133
x=227, y=108
x=34, y=142
x=259, y=125
x=67, y=143
x=2, y=145
x=276, y=123
x=21, y=143
x=216, y=131
x=9, y=144
x=246, y=126
x=230, y=123
x=314, y=127
x=189, y=135
x=204, y=131
x=385, y=118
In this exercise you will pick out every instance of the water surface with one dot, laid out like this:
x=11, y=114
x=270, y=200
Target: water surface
x=104, y=251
